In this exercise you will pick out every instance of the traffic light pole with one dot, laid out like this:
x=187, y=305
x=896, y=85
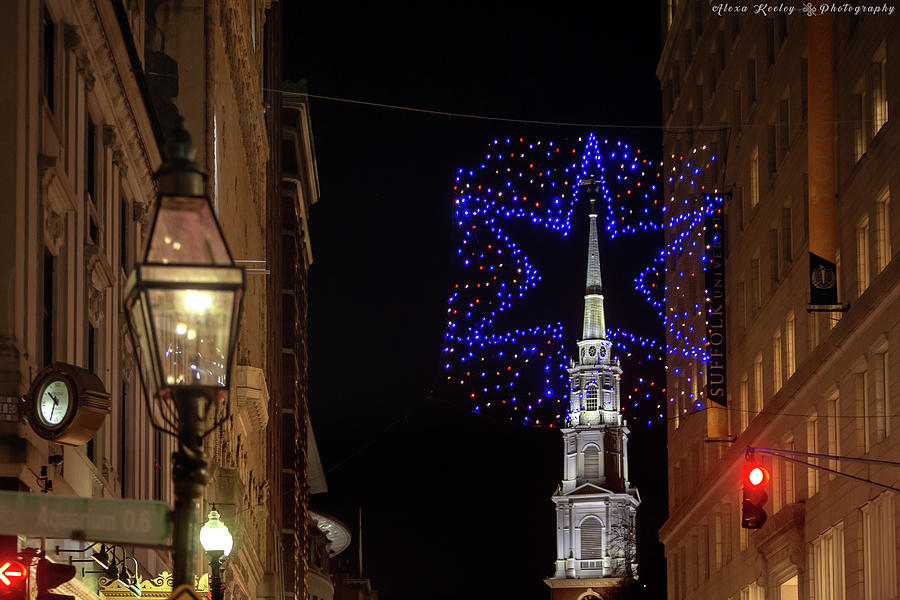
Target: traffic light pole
x=189, y=475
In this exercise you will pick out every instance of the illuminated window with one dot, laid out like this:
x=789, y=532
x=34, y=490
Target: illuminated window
x=812, y=447
x=862, y=255
x=834, y=442
x=858, y=117
x=790, y=356
x=826, y=564
x=776, y=360
x=879, y=548
x=879, y=90
x=881, y=409
x=757, y=385
x=883, y=230
x=754, y=178
x=590, y=397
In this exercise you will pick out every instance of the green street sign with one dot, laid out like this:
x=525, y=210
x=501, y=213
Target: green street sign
x=96, y=519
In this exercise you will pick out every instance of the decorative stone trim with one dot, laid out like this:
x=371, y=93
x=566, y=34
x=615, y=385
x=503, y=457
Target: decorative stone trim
x=93, y=42
x=251, y=395
x=57, y=198
x=9, y=408
x=99, y=277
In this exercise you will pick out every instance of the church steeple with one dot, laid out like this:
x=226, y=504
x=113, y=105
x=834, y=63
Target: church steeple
x=595, y=501
x=594, y=317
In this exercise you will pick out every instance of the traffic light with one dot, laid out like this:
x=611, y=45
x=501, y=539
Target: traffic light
x=51, y=575
x=13, y=579
x=756, y=478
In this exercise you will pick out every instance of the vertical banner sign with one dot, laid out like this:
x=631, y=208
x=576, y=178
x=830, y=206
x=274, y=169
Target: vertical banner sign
x=714, y=225
x=820, y=132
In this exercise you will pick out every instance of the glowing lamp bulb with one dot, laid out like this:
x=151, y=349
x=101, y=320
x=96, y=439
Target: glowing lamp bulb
x=197, y=302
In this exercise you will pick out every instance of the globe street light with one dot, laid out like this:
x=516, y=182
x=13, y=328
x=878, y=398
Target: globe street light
x=183, y=305
x=216, y=540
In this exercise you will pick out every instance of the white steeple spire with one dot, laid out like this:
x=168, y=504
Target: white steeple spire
x=594, y=317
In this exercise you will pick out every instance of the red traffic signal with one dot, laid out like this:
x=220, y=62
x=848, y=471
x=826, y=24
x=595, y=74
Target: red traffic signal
x=756, y=478
x=13, y=579
x=756, y=475
x=51, y=575
x=12, y=573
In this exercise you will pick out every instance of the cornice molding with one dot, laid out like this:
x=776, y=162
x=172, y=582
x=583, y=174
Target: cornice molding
x=246, y=78
x=94, y=53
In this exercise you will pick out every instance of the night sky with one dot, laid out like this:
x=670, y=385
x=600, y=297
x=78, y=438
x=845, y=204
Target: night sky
x=455, y=505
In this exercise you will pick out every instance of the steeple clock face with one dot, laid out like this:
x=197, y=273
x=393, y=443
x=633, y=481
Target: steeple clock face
x=592, y=351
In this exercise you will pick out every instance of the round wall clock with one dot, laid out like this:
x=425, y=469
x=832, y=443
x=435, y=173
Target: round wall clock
x=67, y=404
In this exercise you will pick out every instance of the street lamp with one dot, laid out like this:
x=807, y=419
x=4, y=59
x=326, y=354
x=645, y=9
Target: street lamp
x=183, y=304
x=216, y=540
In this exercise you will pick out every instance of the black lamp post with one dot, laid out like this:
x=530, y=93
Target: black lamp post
x=216, y=540
x=183, y=304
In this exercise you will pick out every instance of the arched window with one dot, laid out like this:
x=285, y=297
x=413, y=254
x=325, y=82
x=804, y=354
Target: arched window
x=591, y=538
x=592, y=463
x=590, y=397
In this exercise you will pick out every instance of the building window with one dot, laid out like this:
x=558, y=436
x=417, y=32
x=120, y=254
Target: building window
x=754, y=178
x=755, y=284
x=790, y=360
x=881, y=414
x=744, y=400
x=879, y=91
x=753, y=591
x=862, y=410
x=48, y=59
x=826, y=564
x=592, y=463
x=757, y=385
x=736, y=107
x=858, y=117
x=590, y=397
x=48, y=305
x=771, y=137
x=883, y=230
x=787, y=242
x=812, y=447
x=862, y=255
x=591, y=538
x=879, y=548
x=124, y=232
x=784, y=127
x=773, y=257
x=790, y=589
x=751, y=81
x=787, y=474
x=776, y=360
x=717, y=532
x=834, y=442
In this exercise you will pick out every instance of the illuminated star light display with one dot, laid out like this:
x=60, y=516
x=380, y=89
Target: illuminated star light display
x=519, y=373
x=694, y=197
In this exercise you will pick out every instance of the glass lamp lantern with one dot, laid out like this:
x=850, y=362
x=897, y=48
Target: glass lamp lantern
x=183, y=300
x=214, y=535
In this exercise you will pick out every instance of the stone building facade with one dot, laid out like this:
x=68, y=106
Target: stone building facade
x=94, y=87
x=739, y=106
